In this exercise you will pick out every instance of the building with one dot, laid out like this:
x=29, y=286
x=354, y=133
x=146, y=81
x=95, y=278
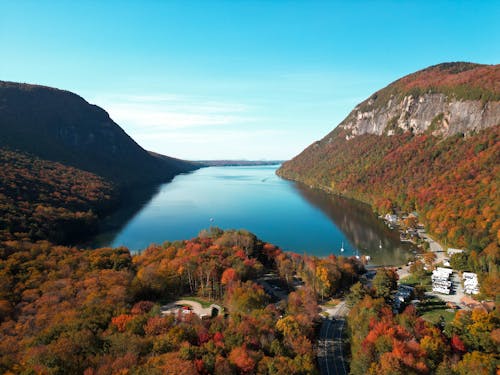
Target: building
x=402, y=297
x=441, y=280
x=471, y=284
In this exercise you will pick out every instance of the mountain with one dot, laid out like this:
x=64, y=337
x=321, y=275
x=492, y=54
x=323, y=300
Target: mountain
x=445, y=99
x=428, y=142
x=65, y=164
x=61, y=126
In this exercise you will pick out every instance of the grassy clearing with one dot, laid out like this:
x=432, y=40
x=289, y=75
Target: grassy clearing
x=413, y=280
x=434, y=316
x=332, y=303
x=433, y=309
x=203, y=302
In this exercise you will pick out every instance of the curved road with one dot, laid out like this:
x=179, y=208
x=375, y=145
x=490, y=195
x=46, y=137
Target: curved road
x=330, y=349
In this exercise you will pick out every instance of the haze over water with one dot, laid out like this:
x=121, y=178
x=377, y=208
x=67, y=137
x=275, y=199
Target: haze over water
x=284, y=213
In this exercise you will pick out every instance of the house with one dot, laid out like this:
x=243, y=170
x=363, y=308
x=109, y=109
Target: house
x=441, y=280
x=471, y=285
x=402, y=297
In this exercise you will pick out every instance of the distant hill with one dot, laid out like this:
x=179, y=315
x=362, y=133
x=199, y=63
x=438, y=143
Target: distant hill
x=237, y=163
x=429, y=142
x=60, y=126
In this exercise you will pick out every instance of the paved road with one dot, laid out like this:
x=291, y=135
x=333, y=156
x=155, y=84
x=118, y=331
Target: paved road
x=330, y=349
x=458, y=292
x=435, y=247
x=272, y=289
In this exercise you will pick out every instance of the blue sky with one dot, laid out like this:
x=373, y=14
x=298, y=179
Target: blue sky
x=236, y=79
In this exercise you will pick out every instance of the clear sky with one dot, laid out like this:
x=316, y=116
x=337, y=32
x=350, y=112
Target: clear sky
x=236, y=79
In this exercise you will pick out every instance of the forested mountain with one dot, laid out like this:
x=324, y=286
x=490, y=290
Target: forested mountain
x=42, y=199
x=60, y=126
x=428, y=142
x=64, y=163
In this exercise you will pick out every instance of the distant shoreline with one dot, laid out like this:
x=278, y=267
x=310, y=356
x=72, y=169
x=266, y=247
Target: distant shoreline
x=236, y=163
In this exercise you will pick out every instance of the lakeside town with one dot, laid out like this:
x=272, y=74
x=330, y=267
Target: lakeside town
x=433, y=265
x=428, y=279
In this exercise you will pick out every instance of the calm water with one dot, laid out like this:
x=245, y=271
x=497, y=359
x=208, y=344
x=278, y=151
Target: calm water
x=278, y=211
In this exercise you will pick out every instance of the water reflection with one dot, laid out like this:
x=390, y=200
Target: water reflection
x=360, y=225
x=290, y=215
x=132, y=203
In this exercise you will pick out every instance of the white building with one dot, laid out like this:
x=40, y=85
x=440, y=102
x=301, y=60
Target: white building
x=471, y=284
x=441, y=280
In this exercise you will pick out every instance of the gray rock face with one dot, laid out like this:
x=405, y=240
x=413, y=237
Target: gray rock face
x=434, y=112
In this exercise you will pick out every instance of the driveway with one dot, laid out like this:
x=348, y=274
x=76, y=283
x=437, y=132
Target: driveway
x=196, y=308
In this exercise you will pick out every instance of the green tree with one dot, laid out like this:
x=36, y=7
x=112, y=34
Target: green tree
x=356, y=293
x=459, y=261
x=384, y=282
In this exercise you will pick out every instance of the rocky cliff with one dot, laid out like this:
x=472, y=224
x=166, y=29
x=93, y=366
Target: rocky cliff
x=445, y=99
x=429, y=142
x=437, y=113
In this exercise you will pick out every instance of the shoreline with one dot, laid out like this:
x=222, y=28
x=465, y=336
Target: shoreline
x=434, y=246
x=330, y=192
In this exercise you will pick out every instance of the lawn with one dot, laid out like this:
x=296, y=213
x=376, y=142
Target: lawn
x=413, y=280
x=203, y=302
x=434, y=316
x=432, y=309
x=332, y=302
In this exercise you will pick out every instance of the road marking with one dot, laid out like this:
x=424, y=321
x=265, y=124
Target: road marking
x=333, y=346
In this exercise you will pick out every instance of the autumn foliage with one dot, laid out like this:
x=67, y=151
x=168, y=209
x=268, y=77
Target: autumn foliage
x=451, y=182
x=69, y=311
x=385, y=343
x=40, y=199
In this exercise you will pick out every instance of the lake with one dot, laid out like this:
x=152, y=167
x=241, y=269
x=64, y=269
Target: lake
x=282, y=212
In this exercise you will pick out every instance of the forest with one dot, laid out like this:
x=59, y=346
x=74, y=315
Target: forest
x=42, y=199
x=69, y=311
x=386, y=343
x=451, y=182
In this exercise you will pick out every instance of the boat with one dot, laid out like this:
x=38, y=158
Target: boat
x=380, y=244
x=342, y=248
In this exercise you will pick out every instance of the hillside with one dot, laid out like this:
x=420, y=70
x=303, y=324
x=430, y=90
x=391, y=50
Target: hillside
x=429, y=142
x=41, y=199
x=60, y=126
